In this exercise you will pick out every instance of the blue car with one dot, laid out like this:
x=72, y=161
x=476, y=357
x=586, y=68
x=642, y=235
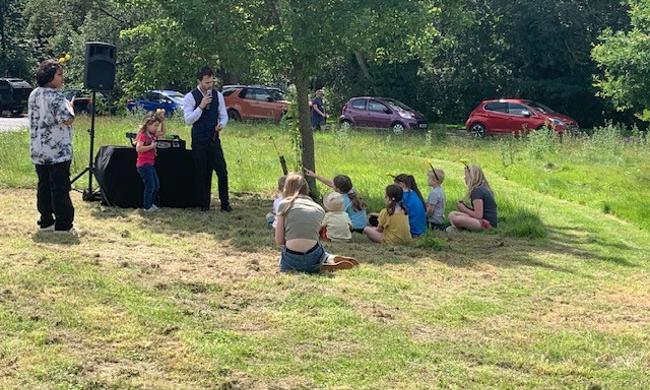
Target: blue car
x=169, y=101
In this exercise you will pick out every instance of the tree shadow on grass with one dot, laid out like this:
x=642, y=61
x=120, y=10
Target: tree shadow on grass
x=522, y=240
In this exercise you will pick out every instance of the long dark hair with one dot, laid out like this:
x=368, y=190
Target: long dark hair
x=394, y=194
x=343, y=183
x=409, y=182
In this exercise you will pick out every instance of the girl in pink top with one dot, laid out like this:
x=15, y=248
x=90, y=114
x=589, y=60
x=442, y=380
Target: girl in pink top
x=153, y=126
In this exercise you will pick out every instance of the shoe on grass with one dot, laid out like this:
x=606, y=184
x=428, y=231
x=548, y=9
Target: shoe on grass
x=45, y=229
x=70, y=232
x=452, y=229
x=335, y=263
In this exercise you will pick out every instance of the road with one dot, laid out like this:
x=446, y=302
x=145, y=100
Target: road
x=11, y=124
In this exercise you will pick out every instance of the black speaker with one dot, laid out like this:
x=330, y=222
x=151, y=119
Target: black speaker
x=99, y=74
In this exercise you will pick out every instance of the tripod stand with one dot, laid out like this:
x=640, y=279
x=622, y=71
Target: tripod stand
x=89, y=194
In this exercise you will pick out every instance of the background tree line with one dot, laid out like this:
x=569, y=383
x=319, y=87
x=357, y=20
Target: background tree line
x=587, y=58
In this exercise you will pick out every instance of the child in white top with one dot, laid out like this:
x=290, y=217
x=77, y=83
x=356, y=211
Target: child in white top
x=271, y=217
x=336, y=222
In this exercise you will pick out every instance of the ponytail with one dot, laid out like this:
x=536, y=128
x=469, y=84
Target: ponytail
x=410, y=183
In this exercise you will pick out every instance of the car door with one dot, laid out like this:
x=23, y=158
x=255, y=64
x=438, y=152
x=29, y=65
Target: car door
x=266, y=104
x=357, y=111
x=519, y=118
x=379, y=115
x=497, y=116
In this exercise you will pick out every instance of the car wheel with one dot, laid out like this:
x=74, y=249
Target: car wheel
x=16, y=113
x=346, y=124
x=398, y=128
x=234, y=115
x=477, y=130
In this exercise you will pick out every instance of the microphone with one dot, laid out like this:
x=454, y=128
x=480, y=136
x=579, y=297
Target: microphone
x=209, y=95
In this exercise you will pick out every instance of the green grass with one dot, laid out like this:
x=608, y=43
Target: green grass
x=556, y=297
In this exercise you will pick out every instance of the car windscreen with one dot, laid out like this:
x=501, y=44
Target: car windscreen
x=276, y=93
x=396, y=104
x=540, y=107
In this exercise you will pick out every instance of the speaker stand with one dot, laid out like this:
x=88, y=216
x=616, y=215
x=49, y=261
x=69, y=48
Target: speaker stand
x=89, y=194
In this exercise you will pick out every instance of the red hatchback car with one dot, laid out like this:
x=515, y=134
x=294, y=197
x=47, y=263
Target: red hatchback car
x=515, y=115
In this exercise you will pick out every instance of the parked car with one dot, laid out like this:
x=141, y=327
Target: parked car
x=167, y=100
x=83, y=100
x=245, y=102
x=515, y=115
x=382, y=113
x=14, y=94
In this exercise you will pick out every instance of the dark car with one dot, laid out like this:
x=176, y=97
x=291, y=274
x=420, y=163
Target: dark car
x=170, y=101
x=382, y=113
x=14, y=94
x=514, y=116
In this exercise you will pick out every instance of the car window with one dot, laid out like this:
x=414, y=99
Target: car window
x=359, y=104
x=228, y=92
x=247, y=93
x=152, y=97
x=276, y=93
x=497, y=107
x=517, y=109
x=262, y=95
x=375, y=106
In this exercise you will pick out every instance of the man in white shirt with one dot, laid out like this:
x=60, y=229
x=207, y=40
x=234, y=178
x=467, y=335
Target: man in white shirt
x=208, y=118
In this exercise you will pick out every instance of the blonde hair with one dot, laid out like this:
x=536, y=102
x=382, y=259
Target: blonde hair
x=148, y=119
x=294, y=186
x=334, y=202
x=475, y=178
x=439, y=174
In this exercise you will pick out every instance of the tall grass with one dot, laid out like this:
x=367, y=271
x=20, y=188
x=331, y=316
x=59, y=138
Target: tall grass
x=607, y=170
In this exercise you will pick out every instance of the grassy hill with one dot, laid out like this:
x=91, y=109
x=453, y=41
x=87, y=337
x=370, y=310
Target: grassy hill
x=556, y=297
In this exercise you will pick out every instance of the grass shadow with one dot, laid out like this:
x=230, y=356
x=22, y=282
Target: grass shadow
x=522, y=239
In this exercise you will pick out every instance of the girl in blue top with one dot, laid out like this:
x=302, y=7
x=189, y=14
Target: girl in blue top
x=354, y=206
x=414, y=203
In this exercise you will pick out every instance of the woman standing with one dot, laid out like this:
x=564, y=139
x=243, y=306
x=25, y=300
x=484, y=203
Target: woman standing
x=50, y=131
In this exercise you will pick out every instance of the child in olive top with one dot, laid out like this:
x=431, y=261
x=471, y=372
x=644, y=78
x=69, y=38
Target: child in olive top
x=393, y=226
x=482, y=213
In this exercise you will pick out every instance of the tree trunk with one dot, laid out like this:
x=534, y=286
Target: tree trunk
x=361, y=61
x=304, y=123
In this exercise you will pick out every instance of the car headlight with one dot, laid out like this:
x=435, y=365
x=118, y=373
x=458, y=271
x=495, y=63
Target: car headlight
x=406, y=115
x=557, y=122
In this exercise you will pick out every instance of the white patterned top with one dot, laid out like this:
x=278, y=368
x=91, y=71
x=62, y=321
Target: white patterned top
x=50, y=138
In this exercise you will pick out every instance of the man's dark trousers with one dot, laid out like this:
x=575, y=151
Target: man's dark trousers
x=53, y=196
x=208, y=157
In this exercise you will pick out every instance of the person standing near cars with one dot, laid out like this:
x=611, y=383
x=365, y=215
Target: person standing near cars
x=208, y=117
x=50, y=133
x=318, y=111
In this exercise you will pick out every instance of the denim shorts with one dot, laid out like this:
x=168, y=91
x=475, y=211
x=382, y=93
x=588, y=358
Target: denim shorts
x=309, y=262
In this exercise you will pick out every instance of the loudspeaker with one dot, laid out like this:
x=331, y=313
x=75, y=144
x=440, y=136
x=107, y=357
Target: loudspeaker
x=99, y=73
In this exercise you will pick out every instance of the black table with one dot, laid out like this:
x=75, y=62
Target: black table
x=122, y=185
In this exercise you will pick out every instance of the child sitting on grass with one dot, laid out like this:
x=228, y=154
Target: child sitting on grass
x=414, y=204
x=270, y=217
x=393, y=226
x=436, y=200
x=482, y=213
x=354, y=206
x=337, y=223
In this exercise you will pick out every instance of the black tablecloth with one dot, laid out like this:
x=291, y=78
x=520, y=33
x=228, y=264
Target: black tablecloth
x=122, y=186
